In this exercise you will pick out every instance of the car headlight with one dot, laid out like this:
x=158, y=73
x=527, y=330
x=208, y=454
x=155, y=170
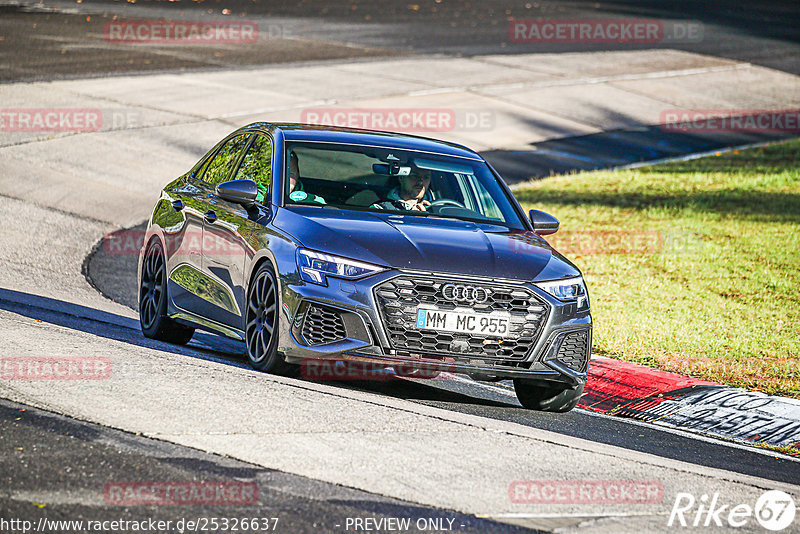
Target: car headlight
x=316, y=266
x=569, y=290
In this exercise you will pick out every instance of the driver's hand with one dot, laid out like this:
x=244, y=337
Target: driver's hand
x=423, y=206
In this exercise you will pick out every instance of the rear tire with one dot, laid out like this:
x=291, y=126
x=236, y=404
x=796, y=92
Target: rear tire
x=535, y=396
x=262, y=322
x=153, y=300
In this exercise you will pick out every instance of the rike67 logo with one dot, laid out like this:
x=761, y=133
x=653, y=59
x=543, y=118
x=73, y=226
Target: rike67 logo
x=774, y=510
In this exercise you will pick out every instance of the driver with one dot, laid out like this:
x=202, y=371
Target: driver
x=412, y=194
x=296, y=191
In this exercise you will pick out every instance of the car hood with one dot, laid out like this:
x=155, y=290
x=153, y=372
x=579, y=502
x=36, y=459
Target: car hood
x=425, y=243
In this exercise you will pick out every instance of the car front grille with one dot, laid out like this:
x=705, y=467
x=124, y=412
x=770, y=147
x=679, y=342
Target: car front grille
x=323, y=325
x=399, y=298
x=574, y=351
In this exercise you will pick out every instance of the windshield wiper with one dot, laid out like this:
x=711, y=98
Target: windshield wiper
x=440, y=216
x=469, y=219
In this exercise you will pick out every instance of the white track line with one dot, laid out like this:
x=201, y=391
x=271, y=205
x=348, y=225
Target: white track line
x=523, y=515
x=689, y=434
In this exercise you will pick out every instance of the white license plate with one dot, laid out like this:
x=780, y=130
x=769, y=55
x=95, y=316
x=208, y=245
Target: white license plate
x=464, y=321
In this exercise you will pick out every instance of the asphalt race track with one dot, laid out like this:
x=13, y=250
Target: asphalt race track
x=322, y=454
x=764, y=34
x=110, y=274
x=306, y=505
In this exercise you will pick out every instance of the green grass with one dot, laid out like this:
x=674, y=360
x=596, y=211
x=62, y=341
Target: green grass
x=692, y=267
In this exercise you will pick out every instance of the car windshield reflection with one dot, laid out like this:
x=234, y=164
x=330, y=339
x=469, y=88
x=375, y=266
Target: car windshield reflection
x=395, y=181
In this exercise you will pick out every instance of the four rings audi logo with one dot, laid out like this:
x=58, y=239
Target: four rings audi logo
x=459, y=293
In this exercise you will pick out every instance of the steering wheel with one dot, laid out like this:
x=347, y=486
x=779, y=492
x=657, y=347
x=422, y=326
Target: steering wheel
x=442, y=202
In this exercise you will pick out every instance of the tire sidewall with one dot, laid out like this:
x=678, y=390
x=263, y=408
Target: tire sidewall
x=273, y=360
x=547, y=398
x=161, y=310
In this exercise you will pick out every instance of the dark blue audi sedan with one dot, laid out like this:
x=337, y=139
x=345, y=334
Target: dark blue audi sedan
x=321, y=244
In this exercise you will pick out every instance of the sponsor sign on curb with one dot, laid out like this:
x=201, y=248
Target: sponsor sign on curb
x=730, y=413
x=667, y=399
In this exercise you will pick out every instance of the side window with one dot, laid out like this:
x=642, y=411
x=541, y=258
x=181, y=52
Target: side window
x=487, y=204
x=490, y=208
x=257, y=166
x=219, y=169
x=479, y=198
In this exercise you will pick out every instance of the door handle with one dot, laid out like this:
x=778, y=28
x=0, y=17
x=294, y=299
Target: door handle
x=210, y=216
x=177, y=204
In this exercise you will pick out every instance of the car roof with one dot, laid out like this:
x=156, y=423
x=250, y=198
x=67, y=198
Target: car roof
x=335, y=134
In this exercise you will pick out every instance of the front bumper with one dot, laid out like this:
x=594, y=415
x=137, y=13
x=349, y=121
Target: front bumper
x=346, y=321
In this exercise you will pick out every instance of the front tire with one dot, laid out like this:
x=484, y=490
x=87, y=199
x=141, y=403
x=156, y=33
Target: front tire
x=262, y=320
x=153, y=300
x=536, y=396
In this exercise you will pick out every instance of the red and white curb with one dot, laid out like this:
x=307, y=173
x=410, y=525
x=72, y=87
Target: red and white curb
x=625, y=389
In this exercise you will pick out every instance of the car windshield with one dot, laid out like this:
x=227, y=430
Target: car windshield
x=391, y=180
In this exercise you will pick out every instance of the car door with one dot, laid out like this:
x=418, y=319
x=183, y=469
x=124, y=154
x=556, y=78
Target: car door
x=189, y=284
x=181, y=220
x=183, y=240
x=228, y=231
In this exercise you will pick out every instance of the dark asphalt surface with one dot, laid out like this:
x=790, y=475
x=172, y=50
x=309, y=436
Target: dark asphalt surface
x=37, y=44
x=60, y=38
x=477, y=399
x=58, y=469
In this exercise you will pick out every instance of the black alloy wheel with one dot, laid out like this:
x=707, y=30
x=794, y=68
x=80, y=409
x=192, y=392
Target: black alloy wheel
x=153, y=300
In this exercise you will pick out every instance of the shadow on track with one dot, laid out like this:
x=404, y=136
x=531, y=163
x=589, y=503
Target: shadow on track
x=431, y=392
x=616, y=148
x=203, y=345
x=62, y=454
x=113, y=326
x=457, y=395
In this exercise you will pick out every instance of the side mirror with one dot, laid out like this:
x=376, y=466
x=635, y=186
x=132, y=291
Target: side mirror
x=543, y=223
x=242, y=192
